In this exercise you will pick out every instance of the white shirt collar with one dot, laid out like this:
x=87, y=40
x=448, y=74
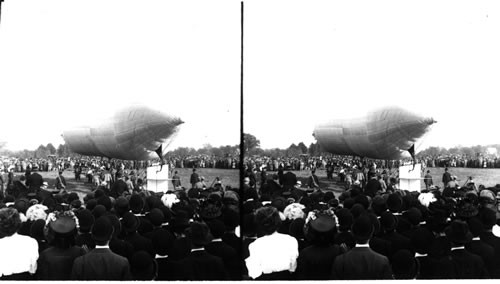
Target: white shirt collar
x=102, y=247
x=362, y=245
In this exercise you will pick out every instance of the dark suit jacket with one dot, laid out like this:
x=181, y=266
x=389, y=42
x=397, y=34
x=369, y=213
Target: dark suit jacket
x=193, y=179
x=485, y=251
x=118, y=188
x=168, y=269
x=140, y=243
x=468, y=265
x=271, y=188
x=315, y=262
x=361, y=263
x=493, y=241
x=85, y=239
x=56, y=264
x=232, y=240
x=35, y=180
x=372, y=186
x=232, y=261
x=101, y=264
x=180, y=248
x=200, y=265
x=289, y=180
x=145, y=225
x=397, y=241
x=432, y=268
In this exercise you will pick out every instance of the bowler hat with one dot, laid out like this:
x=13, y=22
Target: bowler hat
x=156, y=217
x=404, y=265
x=142, y=266
x=349, y=202
x=475, y=226
x=162, y=242
x=130, y=222
x=102, y=230
x=217, y=228
x=488, y=217
x=378, y=205
x=357, y=209
x=105, y=201
x=98, y=211
x=413, y=215
x=231, y=218
x=121, y=204
x=458, y=232
x=345, y=219
x=181, y=220
x=85, y=220
x=388, y=221
x=394, y=202
x=363, y=200
x=422, y=239
x=136, y=203
x=199, y=233
x=362, y=228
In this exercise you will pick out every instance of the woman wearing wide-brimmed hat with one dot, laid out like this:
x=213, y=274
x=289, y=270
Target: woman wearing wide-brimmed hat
x=315, y=261
x=56, y=262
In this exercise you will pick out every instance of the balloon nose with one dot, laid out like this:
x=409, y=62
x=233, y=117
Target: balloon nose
x=430, y=121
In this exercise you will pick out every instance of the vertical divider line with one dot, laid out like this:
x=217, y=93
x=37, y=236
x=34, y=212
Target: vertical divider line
x=242, y=146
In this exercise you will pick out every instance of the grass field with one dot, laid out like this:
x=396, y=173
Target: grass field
x=487, y=177
x=229, y=177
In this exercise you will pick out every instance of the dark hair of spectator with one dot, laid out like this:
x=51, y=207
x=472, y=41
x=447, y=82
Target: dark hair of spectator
x=10, y=222
x=267, y=220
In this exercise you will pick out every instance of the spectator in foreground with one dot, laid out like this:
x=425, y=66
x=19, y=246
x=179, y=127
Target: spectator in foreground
x=18, y=260
x=101, y=263
x=199, y=264
x=55, y=263
x=361, y=262
x=274, y=255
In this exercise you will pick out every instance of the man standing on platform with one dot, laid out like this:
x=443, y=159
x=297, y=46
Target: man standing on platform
x=176, y=180
x=446, y=177
x=194, y=178
x=428, y=180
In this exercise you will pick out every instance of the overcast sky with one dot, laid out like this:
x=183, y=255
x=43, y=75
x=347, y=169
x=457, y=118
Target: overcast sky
x=67, y=62
x=308, y=61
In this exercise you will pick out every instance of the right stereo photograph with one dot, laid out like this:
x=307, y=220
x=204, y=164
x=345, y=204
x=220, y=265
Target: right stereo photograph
x=368, y=131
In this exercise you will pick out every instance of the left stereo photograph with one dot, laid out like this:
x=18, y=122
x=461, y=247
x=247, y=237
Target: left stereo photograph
x=120, y=148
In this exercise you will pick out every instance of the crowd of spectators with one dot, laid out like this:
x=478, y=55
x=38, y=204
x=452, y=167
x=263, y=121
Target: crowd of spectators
x=113, y=233
x=204, y=161
x=297, y=231
x=462, y=161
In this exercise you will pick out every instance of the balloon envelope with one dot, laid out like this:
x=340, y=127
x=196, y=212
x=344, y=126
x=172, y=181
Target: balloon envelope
x=133, y=133
x=383, y=133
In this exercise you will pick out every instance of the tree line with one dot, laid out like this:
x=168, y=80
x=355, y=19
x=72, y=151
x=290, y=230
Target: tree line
x=252, y=148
